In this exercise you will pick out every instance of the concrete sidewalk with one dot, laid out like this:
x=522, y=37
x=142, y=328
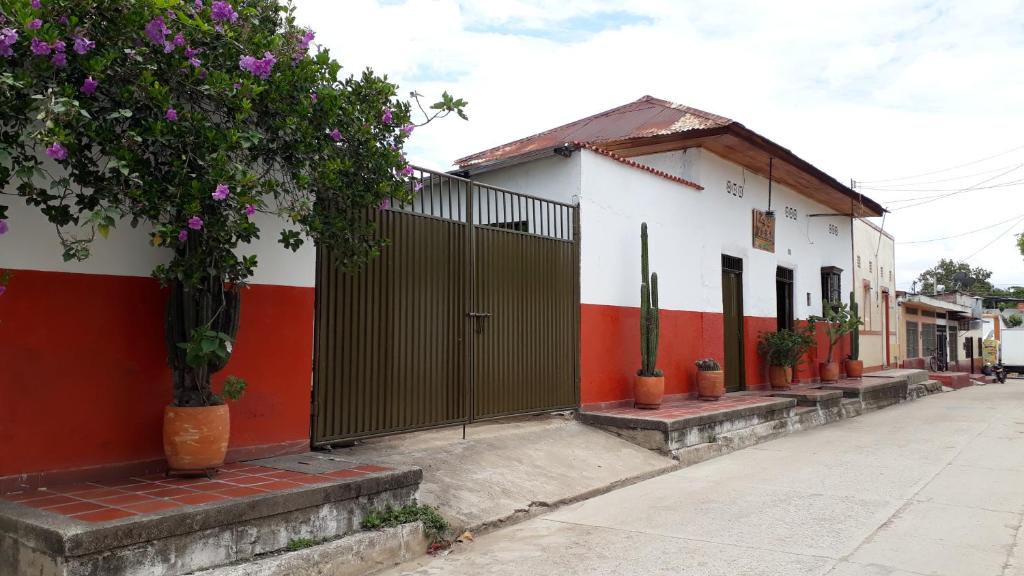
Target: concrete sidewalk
x=511, y=469
x=931, y=487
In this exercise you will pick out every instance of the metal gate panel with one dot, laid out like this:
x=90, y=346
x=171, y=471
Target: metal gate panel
x=524, y=352
x=390, y=353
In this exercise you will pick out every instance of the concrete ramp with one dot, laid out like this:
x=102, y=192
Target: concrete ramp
x=508, y=470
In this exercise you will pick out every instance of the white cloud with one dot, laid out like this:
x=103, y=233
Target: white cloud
x=867, y=90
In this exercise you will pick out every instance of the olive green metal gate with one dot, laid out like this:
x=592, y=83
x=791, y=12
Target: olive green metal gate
x=471, y=311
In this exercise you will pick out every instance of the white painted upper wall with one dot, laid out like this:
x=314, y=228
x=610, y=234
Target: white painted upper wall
x=874, y=266
x=689, y=231
x=32, y=244
x=555, y=178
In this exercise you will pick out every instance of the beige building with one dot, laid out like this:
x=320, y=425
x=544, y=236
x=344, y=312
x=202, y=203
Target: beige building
x=874, y=286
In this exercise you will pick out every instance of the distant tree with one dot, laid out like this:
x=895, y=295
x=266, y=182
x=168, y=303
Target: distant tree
x=1015, y=320
x=1020, y=243
x=952, y=275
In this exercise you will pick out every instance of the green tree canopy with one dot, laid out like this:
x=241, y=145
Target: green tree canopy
x=952, y=275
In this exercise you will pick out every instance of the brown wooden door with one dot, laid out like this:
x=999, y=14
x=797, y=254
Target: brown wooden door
x=732, y=311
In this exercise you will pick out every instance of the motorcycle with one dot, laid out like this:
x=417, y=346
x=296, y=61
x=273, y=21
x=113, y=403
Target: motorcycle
x=997, y=370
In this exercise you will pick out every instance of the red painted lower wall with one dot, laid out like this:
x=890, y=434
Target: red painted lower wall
x=610, y=350
x=84, y=379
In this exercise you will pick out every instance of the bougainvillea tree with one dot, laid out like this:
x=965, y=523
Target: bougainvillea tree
x=189, y=118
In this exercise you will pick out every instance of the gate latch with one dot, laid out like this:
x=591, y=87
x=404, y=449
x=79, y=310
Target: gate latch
x=479, y=316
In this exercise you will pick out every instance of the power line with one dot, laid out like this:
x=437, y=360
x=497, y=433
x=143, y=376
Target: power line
x=901, y=187
x=1004, y=233
x=944, y=169
x=968, y=189
x=999, y=185
x=989, y=227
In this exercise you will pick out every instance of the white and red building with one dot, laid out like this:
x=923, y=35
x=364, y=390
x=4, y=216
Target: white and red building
x=703, y=184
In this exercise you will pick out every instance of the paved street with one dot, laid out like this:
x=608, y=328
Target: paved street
x=932, y=487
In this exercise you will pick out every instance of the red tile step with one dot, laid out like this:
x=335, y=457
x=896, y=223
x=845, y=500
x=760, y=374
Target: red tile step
x=123, y=498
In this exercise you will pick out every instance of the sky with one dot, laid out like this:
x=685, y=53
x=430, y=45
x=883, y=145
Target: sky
x=912, y=99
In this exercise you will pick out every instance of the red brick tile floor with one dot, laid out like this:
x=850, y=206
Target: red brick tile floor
x=115, y=499
x=681, y=408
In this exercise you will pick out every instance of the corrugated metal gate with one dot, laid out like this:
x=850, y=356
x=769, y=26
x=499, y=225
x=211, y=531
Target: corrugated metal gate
x=471, y=311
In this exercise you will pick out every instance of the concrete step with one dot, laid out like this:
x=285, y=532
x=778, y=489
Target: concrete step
x=205, y=534
x=954, y=380
x=912, y=376
x=812, y=397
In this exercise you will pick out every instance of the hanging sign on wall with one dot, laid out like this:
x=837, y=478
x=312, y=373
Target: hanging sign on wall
x=764, y=231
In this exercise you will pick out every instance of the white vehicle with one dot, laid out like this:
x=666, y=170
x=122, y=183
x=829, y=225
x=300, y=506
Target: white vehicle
x=1011, y=343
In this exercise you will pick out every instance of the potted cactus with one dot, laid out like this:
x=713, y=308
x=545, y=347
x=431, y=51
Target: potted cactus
x=838, y=322
x=710, y=379
x=854, y=365
x=650, y=381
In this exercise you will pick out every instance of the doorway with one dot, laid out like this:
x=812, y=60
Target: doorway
x=885, y=335
x=732, y=312
x=783, y=298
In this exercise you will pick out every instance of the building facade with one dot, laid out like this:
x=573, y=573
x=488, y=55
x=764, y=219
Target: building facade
x=874, y=282
x=947, y=326
x=745, y=238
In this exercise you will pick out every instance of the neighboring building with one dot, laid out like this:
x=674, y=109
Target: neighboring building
x=949, y=325
x=728, y=268
x=874, y=281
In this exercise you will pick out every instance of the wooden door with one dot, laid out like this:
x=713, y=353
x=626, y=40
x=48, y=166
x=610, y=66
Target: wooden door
x=732, y=311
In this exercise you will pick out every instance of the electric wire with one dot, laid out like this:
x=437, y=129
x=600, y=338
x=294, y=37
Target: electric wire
x=968, y=189
x=989, y=227
x=1004, y=233
x=942, y=170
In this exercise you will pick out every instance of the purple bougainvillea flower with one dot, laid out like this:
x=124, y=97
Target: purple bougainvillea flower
x=59, y=46
x=83, y=45
x=3, y=288
x=39, y=47
x=63, y=20
x=171, y=15
x=179, y=39
x=35, y=24
x=171, y=115
x=89, y=86
x=59, y=60
x=182, y=235
x=417, y=186
x=195, y=223
x=157, y=31
x=8, y=36
x=407, y=171
x=57, y=151
x=259, y=67
x=408, y=128
x=384, y=205
x=237, y=85
x=221, y=192
x=3, y=227
x=386, y=118
x=313, y=97
x=250, y=210
x=222, y=11
x=336, y=135
x=36, y=4
x=198, y=5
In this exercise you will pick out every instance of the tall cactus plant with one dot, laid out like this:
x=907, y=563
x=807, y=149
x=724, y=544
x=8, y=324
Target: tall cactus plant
x=855, y=334
x=649, y=322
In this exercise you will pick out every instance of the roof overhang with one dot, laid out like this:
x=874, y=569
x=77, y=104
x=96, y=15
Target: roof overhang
x=733, y=142
x=924, y=302
x=745, y=147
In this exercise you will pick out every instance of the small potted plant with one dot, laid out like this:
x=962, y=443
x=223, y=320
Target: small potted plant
x=854, y=365
x=838, y=323
x=778, y=349
x=649, y=388
x=710, y=379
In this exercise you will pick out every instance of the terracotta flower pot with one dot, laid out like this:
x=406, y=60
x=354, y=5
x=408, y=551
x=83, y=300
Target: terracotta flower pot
x=781, y=377
x=648, y=392
x=196, y=438
x=854, y=368
x=829, y=371
x=710, y=384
